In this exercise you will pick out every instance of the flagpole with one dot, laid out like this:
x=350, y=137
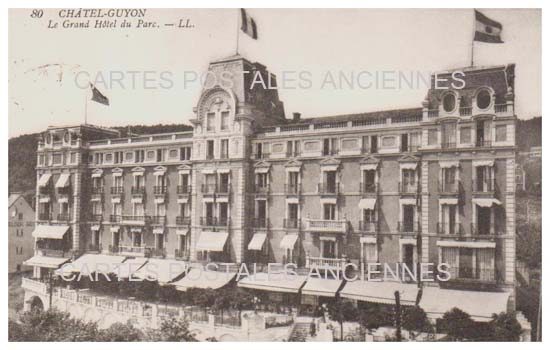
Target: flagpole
x=86, y=108
x=473, y=36
x=238, y=15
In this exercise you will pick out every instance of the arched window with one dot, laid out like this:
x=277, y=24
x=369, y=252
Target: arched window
x=449, y=102
x=483, y=99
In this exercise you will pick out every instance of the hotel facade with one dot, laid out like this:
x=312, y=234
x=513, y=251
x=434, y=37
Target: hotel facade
x=433, y=184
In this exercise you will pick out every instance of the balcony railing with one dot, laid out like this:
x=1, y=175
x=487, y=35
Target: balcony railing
x=138, y=189
x=327, y=225
x=328, y=189
x=46, y=250
x=159, y=220
x=448, y=145
x=487, y=186
x=117, y=190
x=292, y=223
x=449, y=187
x=213, y=221
x=471, y=273
x=136, y=219
x=95, y=247
x=501, y=108
x=448, y=229
x=465, y=111
x=482, y=231
x=96, y=217
x=183, y=220
x=184, y=189
x=261, y=155
x=45, y=216
x=292, y=189
x=159, y=189
x=64, y=217
x=368, y=188
x=158, y=252
x=261, y=189
x=215, y=189
x=483, y=143
x=433, y=113
x=115, y=218
x=260, y=222
x=97, y=190
x=408, y=227
x=208, y=189
x=320, y=262
x=181, y=254
x=139, y=250
x=408, y=188
x=368, y=226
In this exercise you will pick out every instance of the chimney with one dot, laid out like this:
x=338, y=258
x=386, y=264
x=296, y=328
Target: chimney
x=296, y=116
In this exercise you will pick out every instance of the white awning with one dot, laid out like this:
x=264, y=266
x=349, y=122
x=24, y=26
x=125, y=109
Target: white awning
x=115, y=199
x=466, y=244
x=288, y=241
x=117, y=173
x=96, y=227
x=208, y=171
x=293, y=169
x=158, y=230
x=97, y=174
x=368, y=240
x=184, y=171
x=200, y=278
x=159, y=200
x=129, y=267
x=222, y=199
x=257, y=241
x=486, y=202
x=63, y=199
x=136, y=229
x=262, y=170
x=162, y=270
x=49, y=262
x=44, y=179
x=409, y=166
x=367, y=203
x=328, y=200
x=330, y=167
x=115, y=228
x=321, y=287
x=369, y=166
x=448, y=164
x=479, y=305
x=159, y=172
x=275, y=282
x=380, y=292
x=411, y=241
x=44, y=199
x=407, y=201
x=138, y=199
x=183, y=200
x=448, y=201
x=292, y=200
x=212, y=241
x=486, y=162
x=223, y=171
x=63, y=181
x=90, y=263
x=50, y=231
x=182, y=232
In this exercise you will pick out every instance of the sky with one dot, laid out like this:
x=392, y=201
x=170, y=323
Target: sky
x=48, y=67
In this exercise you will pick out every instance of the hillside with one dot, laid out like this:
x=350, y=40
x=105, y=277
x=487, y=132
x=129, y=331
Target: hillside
x=22, y=159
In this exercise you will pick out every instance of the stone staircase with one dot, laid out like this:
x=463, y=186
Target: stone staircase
x=300, y=332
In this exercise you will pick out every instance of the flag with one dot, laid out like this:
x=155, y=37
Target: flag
x=487, y=30
x=248, y=25
x=98, y=96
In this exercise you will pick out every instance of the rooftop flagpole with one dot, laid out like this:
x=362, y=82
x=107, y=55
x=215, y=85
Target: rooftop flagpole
x=473, y=36
x=238, y=29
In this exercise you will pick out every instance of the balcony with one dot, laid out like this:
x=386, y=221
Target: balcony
x=45, y=216
x=483, y=143
x=448, y=145
x=408, y=227
x=64, y=217
x=157, y=252
x=465, y=111
x=159, y=220
x=433, y=113
x=260, y=223
x=408, y=188
x=138, y=190
x=181, y=254
x=95, y=247
x=449, y=188
x=482, y=231
x=136, y=219
x=134, y=251
x=486, y=188
x=368, y=189
x=448, y=229
x=292, y=190
x=325, y=263
x=292, y=154
x=338, y=226
x=34, y=285
x=183, y=220
x=328, y=189
x=261, y=155
x=184, y=189
x=292, y=223
x=501, y=108
x=96, y=217
x=261, y=189
x=97, y=190
x=160, y=189
x=219, y=189
x=115, y=218
x=368, y=226
x=117, y=190
x=51, y=251
x=214, y=222
x=471, y=274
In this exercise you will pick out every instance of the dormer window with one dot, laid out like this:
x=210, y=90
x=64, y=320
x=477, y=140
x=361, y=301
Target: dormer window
x=449, y=102
x=483, y=99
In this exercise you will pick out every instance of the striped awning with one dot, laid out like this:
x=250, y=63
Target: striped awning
x=50, y=231
x=201, y=278
x=212, y=241
x=323, y=287
x=275, y=282
x=49, y=262
x=380, y=292
x=257, y=241
x=44, y=179
x=288, y=241
x=63, y=181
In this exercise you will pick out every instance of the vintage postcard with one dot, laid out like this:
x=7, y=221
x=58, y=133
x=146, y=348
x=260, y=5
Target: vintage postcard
x=274, y=175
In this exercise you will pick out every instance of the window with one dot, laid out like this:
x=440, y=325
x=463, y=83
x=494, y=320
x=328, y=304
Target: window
x=483, y=133
x=20, y=216
x=73, y=157
x=138, y=181
x=465, y=135
x=261, y=180
x=448, y=135
x=139, y=210
x=140, y=156
x=500, y=133
x=119, y=156
x=160, y=155
x=432, y=137
x=370, y=252
x=329, y=146
x=97, y=208
x=210, y=149
x=41, y=159
x=224, y=149
x=117, y=181
x=449, y=102
x=57, y=158
x=225, y=121
x=185, y=153
x=483, y=99
x=210, y=117
x=161, y=209
x=329, y=211
x=374, y=144
x=369, y=215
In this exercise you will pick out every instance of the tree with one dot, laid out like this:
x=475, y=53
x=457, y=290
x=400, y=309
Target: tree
x=505, y=327
x=168, y=293
x=121, y=332
x=414, y=319
x=343, y=311
x=458, y=325
x=175, y=329
x=373, y=316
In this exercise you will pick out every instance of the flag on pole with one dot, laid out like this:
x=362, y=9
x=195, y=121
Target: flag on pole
x=98, y=97
x=487, y=30
x=248, y=25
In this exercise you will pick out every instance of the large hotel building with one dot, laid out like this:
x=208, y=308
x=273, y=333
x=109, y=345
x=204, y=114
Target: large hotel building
x=433, y=184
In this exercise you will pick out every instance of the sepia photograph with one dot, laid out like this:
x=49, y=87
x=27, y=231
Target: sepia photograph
x=274, y=175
